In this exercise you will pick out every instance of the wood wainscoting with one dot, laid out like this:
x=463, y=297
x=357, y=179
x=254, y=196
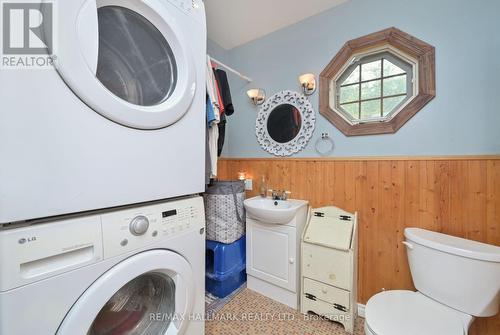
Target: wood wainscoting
x=455, y=195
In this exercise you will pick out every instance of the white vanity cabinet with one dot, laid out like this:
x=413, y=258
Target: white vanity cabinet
x=272, y=254
x=273, y=257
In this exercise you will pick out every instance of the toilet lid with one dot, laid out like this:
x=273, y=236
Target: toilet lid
x=410, y=313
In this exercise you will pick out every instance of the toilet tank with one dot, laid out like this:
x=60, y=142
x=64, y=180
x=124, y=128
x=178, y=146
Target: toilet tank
x=459, y=273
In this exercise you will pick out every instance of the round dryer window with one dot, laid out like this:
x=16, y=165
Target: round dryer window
x=129, y=310
x=135, y=61
x=130, y=61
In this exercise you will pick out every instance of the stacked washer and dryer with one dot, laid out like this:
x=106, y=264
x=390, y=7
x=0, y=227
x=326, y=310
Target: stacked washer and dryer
x=119, y=121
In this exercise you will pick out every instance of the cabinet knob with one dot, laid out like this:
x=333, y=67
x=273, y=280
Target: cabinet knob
x=324, y=290
x=291, y=260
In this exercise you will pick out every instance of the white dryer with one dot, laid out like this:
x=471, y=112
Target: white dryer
x=119, y=120
x=134, y=271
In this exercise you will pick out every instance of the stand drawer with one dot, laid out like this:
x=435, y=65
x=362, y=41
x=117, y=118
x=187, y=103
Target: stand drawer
x=327, y=293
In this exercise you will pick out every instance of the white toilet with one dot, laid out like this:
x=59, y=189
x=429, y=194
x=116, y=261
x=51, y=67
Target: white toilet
x=456, y=279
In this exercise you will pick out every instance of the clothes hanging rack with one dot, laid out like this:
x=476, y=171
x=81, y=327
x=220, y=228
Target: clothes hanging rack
x=230, y=69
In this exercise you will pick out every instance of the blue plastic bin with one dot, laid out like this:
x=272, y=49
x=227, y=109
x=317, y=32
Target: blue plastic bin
x=223, y=258
x=225, y=266
x=222, y=286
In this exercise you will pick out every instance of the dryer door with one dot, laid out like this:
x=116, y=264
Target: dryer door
x=151, y=293
x=126, y=59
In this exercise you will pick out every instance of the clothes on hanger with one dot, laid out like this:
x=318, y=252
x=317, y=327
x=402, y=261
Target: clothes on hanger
x=212, y=93
x=219, y=104
x=222, y=134
x=221, y=77
x=213, y=119
x=213, y=137
x=218, y=92
x=210, y=111
x=208, y=163
x=223, y=84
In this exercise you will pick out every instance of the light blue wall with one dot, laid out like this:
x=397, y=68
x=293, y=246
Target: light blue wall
x=216, y=51
x=464, y=118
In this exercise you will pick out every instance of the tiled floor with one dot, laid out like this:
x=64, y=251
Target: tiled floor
x=214, y=304
x=250, y=313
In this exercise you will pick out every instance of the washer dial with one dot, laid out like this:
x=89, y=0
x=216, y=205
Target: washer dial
x=139, y=225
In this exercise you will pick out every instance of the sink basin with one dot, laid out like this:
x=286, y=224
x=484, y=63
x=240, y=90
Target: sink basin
x=272, y=211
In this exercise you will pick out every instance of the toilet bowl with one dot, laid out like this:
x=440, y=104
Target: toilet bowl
x=445, y=271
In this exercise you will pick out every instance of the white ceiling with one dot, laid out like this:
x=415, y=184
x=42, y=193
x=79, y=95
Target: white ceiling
x=235, y=22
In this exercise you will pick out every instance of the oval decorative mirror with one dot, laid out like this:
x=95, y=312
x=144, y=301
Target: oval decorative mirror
x=285, y=123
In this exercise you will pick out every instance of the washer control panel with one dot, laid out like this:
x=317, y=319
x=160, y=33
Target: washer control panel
x=135, y=228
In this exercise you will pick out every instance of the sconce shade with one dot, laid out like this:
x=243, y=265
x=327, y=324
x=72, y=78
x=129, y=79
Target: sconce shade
x=308, y=83
x=253, y=93
x=257, y=95
x=306, y=78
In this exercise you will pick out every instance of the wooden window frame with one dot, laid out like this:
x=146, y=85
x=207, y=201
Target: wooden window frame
x=422, y=52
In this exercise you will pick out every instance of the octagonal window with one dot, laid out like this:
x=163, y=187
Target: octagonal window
x=377, y=82
x=373, y=87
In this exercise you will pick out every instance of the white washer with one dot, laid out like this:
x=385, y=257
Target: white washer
x=138, y=269
x=121, y=118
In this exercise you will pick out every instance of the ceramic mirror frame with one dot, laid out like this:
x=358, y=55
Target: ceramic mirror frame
x=305, y=133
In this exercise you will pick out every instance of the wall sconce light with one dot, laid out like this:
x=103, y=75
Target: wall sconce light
x=242, y=175
x=257, y=96
x=308, y=83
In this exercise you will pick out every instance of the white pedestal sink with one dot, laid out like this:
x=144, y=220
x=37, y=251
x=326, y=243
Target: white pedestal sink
x=272, y=211
x=274, y=228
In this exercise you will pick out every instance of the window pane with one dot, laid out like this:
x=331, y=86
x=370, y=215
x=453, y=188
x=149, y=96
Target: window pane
x=371, y=89
x=371, y=70
x=395, y=85
x=391, y=103
x=390, y=69
x=349, y=93
x=352, y=109
x=353, y=77
x=370, y=109
x=135, y=62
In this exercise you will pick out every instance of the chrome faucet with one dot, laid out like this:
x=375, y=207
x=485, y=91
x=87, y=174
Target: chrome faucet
x=279, y=195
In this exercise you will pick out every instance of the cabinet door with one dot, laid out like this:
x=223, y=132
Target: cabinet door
x=271, y=253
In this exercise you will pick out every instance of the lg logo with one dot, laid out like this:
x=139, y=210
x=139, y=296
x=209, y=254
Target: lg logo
x=28, y=239
x=27, y=28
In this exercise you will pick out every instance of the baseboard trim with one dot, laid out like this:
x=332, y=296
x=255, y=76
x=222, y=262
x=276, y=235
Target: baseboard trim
x=361, y=310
